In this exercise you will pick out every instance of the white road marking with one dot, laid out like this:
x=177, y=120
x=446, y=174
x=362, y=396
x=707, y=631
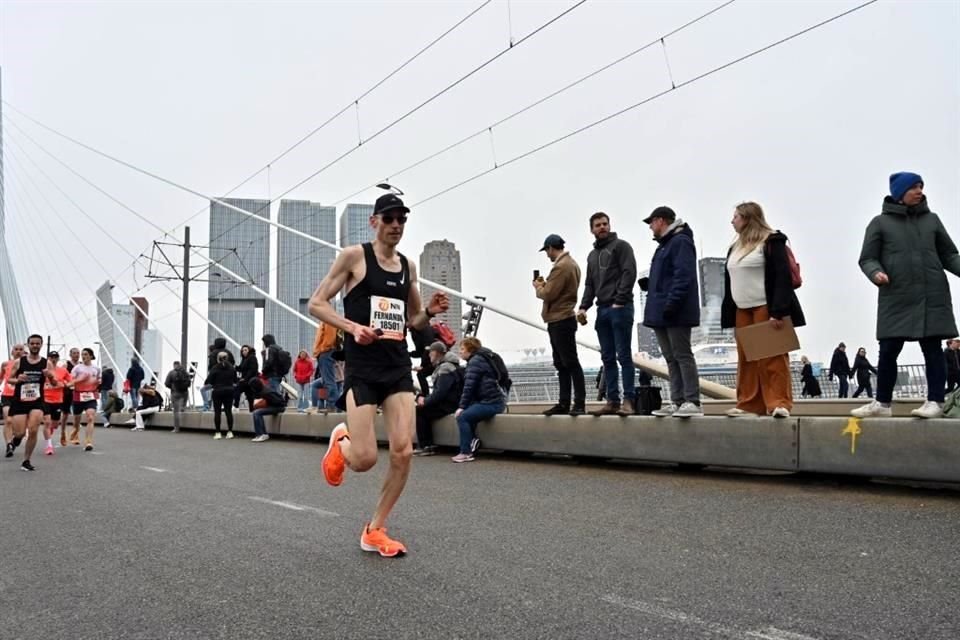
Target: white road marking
x=95, y=453
x=155, y=469
x=294, y=507
x=768, y=633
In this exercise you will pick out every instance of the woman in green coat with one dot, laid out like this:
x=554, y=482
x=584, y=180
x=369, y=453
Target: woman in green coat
x=906, y=251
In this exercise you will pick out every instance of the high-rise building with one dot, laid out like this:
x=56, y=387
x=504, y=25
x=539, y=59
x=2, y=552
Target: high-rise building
x=301, y=265
x=440, y=263
x=14, y=319
x=118, y=337
x=646, y=337
x=152, y=350
x=711, y=300
x=355, y=224
x=122, y=351
x=241, y=244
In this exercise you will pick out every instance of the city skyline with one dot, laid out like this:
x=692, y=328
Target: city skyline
x=440, y=263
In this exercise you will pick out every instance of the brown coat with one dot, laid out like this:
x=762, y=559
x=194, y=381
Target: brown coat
x=559, y=294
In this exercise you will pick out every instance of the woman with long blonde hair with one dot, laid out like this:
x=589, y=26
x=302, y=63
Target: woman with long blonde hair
x=759, y=288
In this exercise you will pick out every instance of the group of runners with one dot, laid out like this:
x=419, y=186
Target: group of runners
x=38, y=393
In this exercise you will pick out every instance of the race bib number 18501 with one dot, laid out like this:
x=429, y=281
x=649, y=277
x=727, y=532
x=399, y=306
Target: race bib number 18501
x=389, y=316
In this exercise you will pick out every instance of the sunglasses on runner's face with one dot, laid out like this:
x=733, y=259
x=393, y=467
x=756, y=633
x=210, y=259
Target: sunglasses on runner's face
x=388, y=219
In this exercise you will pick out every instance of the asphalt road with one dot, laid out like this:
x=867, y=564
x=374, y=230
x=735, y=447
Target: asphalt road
x=156, y=535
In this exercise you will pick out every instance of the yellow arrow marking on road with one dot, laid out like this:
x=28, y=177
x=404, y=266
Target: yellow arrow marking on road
x=853, y=429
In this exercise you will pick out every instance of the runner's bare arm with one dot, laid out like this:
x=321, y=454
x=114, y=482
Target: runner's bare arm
x=418, y=314
x=14, y=370
x=334, y=282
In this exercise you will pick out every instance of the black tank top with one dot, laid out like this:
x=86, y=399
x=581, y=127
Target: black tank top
x=379, y=301
x=32, y=389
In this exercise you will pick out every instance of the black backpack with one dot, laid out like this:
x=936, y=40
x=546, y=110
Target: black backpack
x=284, y=362
x=503, y=376
x=181, y=381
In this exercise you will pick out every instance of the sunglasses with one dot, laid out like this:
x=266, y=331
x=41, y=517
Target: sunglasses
x=388, y=219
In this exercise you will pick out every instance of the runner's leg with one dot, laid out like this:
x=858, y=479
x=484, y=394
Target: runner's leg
x=91, y=415
x=32, y=425
x=360, y=449
x=399, y=412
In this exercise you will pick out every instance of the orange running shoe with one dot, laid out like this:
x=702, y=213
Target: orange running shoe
x=378, y=541
x=333, y=463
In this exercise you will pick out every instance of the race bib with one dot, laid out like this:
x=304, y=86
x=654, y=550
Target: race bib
x=389, y=316
x=87, y=396
x=30, y=392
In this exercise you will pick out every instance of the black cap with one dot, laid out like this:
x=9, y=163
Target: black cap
x=661, y=212
x=53, y=354
x=389, y=202
x=552, y=240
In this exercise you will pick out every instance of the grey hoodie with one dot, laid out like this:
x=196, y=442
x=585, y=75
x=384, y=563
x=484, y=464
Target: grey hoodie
x=611, y=273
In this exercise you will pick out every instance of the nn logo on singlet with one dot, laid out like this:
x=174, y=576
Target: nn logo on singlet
x=386, y=305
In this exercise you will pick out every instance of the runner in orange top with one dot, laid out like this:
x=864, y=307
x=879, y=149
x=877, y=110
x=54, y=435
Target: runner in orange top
x=53, y=401
x=7, y=399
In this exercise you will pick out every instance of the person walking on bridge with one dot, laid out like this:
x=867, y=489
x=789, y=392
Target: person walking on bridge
x=559, y=295
x=673, y=308
x=382, y=300
x=906, y=250
x=952, y=355
x=840, y=367
x=862, y=368
x=611, y=274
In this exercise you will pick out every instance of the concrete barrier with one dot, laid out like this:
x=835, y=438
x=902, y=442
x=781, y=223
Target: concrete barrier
x=893, y=447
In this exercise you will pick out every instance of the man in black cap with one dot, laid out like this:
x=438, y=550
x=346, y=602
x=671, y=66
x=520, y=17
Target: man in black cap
x=840, y=367
x=559, y=295
x=382, y=300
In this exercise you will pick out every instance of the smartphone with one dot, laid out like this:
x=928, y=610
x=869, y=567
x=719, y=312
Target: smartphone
x=536, y=274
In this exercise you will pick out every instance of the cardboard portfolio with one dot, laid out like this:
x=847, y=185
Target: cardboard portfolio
x=761, y=340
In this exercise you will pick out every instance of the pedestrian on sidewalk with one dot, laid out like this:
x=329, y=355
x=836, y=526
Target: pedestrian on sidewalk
x=222, y=379
x=906, y=250
x=673, y=308
x=611, y=274
x=840, y=367
x=758, y=288
x=811, y=386
x=559, y=294
x=135, y=376
x=303, y=369
x=178, y=382
x=862, y=368
x=952, y=356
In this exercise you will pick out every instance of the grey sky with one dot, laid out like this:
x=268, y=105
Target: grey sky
x=207, y=93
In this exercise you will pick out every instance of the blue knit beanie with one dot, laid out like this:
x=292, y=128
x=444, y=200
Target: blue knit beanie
x=900, y=183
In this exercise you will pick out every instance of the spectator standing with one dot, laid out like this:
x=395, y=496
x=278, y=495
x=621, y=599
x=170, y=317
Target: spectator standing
x=952, y=356
x=673, y=308
x=611, y=274
x=482, y=397
x=759, y=288
x=303, y=369
x=905, y=252
x=324, y=346
x=840, y=367
x=135, y=377
x=559, y=294
x=222, y=378
x=811, y=386
x=445, y=388
x=249, y=369
x=269, y=403
x=178, y=382
x=107, y=380
x=862, y=368
x=272, y=369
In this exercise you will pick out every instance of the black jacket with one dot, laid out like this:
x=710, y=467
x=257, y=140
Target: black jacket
x=249, y=367
x=219, y=344
x=107, y=378
x=782, y=301
x=148, y=400
x=222, y=376
x=953, y=362
x=811, y=386
x=863, y=368
x=673, y=299
x=271, y=357
x=135, y=375
x=840, y=365
x=611, y=273
x=273, y=399
x=445, y=395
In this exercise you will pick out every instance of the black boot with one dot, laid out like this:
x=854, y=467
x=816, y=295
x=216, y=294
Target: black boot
x=578, y=409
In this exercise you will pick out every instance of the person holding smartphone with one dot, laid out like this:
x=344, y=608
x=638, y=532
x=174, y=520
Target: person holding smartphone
x=559, y=293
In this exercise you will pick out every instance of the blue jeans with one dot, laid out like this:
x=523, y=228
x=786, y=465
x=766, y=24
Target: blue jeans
x=936, y=368
x=304, y=400
x=134, y=398
x=328, y=374
x=273, y=383
x=259, y=425
x=615, y=332
x=206, y=391
x=844, y=384
x=472, y=416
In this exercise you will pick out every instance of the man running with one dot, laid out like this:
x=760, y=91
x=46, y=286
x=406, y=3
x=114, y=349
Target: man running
x=86, y=390
x=53, y=395
x=7, y=400
x=68, y=405
x=31, y=373
x=382, y=301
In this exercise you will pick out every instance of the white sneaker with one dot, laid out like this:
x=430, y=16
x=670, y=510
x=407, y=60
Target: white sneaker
x=688, y=410
x=665, y=411
x=137, y=429
x=262, y=438
x=740, y=413
x=130, y=421
x=217, y=436
x=780, y=412
x=930, y=409
x=872, y=410
x=229, y=435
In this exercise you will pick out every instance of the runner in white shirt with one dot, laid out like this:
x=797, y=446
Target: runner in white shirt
x=86, y=392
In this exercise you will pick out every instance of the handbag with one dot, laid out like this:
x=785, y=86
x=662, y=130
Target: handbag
x=648, y=400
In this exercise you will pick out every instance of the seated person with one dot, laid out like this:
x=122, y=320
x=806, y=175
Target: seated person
x=482, y=397
x=150, y=402
x=446, y=383
x=268, y=403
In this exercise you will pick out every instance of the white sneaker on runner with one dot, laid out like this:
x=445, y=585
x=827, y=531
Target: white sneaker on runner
x=872, y=410
x=930, y=409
